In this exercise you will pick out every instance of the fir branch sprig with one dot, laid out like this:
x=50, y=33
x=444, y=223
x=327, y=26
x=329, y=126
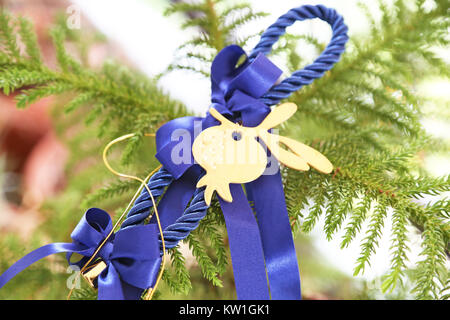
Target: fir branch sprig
x=218, y=26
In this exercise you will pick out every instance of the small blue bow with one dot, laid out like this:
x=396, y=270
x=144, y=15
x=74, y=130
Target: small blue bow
x=132, y=255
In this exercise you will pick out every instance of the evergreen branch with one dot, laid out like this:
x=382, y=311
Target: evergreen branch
x=434, y=259
x=358, y=217
x=316, y=210
x=29, y=39
x=399, y=248
x=373, y=234
x=208, y=268
x=180, y=282
x=209, y=231
x=109, y=191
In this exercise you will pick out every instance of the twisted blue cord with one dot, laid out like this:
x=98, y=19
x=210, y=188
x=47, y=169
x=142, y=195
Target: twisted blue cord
x=323, y=63
x=177, y=231
x=196, y=210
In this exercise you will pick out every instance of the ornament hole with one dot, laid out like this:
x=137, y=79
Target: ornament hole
x=236, y=135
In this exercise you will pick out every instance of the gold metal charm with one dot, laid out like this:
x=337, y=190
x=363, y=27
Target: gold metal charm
x=93, y=271
x=230, y=152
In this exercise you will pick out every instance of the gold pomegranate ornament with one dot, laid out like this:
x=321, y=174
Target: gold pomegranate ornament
x=231, y=153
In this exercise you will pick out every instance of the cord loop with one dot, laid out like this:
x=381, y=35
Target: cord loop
x=315, y=70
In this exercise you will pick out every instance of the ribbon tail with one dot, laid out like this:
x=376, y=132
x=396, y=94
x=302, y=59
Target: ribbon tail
x=35, y=256
x=131, y=292
x=245, y=246
x=111, y=287
x=275, y=229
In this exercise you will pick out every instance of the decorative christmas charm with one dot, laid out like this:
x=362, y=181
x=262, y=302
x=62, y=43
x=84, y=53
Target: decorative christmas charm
x=230, y=152
x=229, y=143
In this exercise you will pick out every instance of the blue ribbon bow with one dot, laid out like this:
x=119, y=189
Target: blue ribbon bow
x=132, y=255
x=256, y=247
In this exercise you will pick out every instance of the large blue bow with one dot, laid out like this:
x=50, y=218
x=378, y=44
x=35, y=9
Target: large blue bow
x=256, y=246
x=132, y=255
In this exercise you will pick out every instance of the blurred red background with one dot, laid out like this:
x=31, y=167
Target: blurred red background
x=32, y=157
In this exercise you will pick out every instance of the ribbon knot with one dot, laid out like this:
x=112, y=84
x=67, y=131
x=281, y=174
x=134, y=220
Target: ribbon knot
x=106, y=251
x=236, y=88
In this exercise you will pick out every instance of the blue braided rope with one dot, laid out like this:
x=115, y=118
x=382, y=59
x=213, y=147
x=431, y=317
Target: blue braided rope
x=197, y=208
x=177, y=231
x=323, y=63
x=142, y=205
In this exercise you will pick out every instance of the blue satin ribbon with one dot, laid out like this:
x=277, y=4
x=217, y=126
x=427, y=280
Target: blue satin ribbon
x=255, y=246
x=132, y=255
x=247, y=255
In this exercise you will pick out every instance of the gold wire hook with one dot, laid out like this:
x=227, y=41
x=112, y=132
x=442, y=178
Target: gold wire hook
x=150, y=292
